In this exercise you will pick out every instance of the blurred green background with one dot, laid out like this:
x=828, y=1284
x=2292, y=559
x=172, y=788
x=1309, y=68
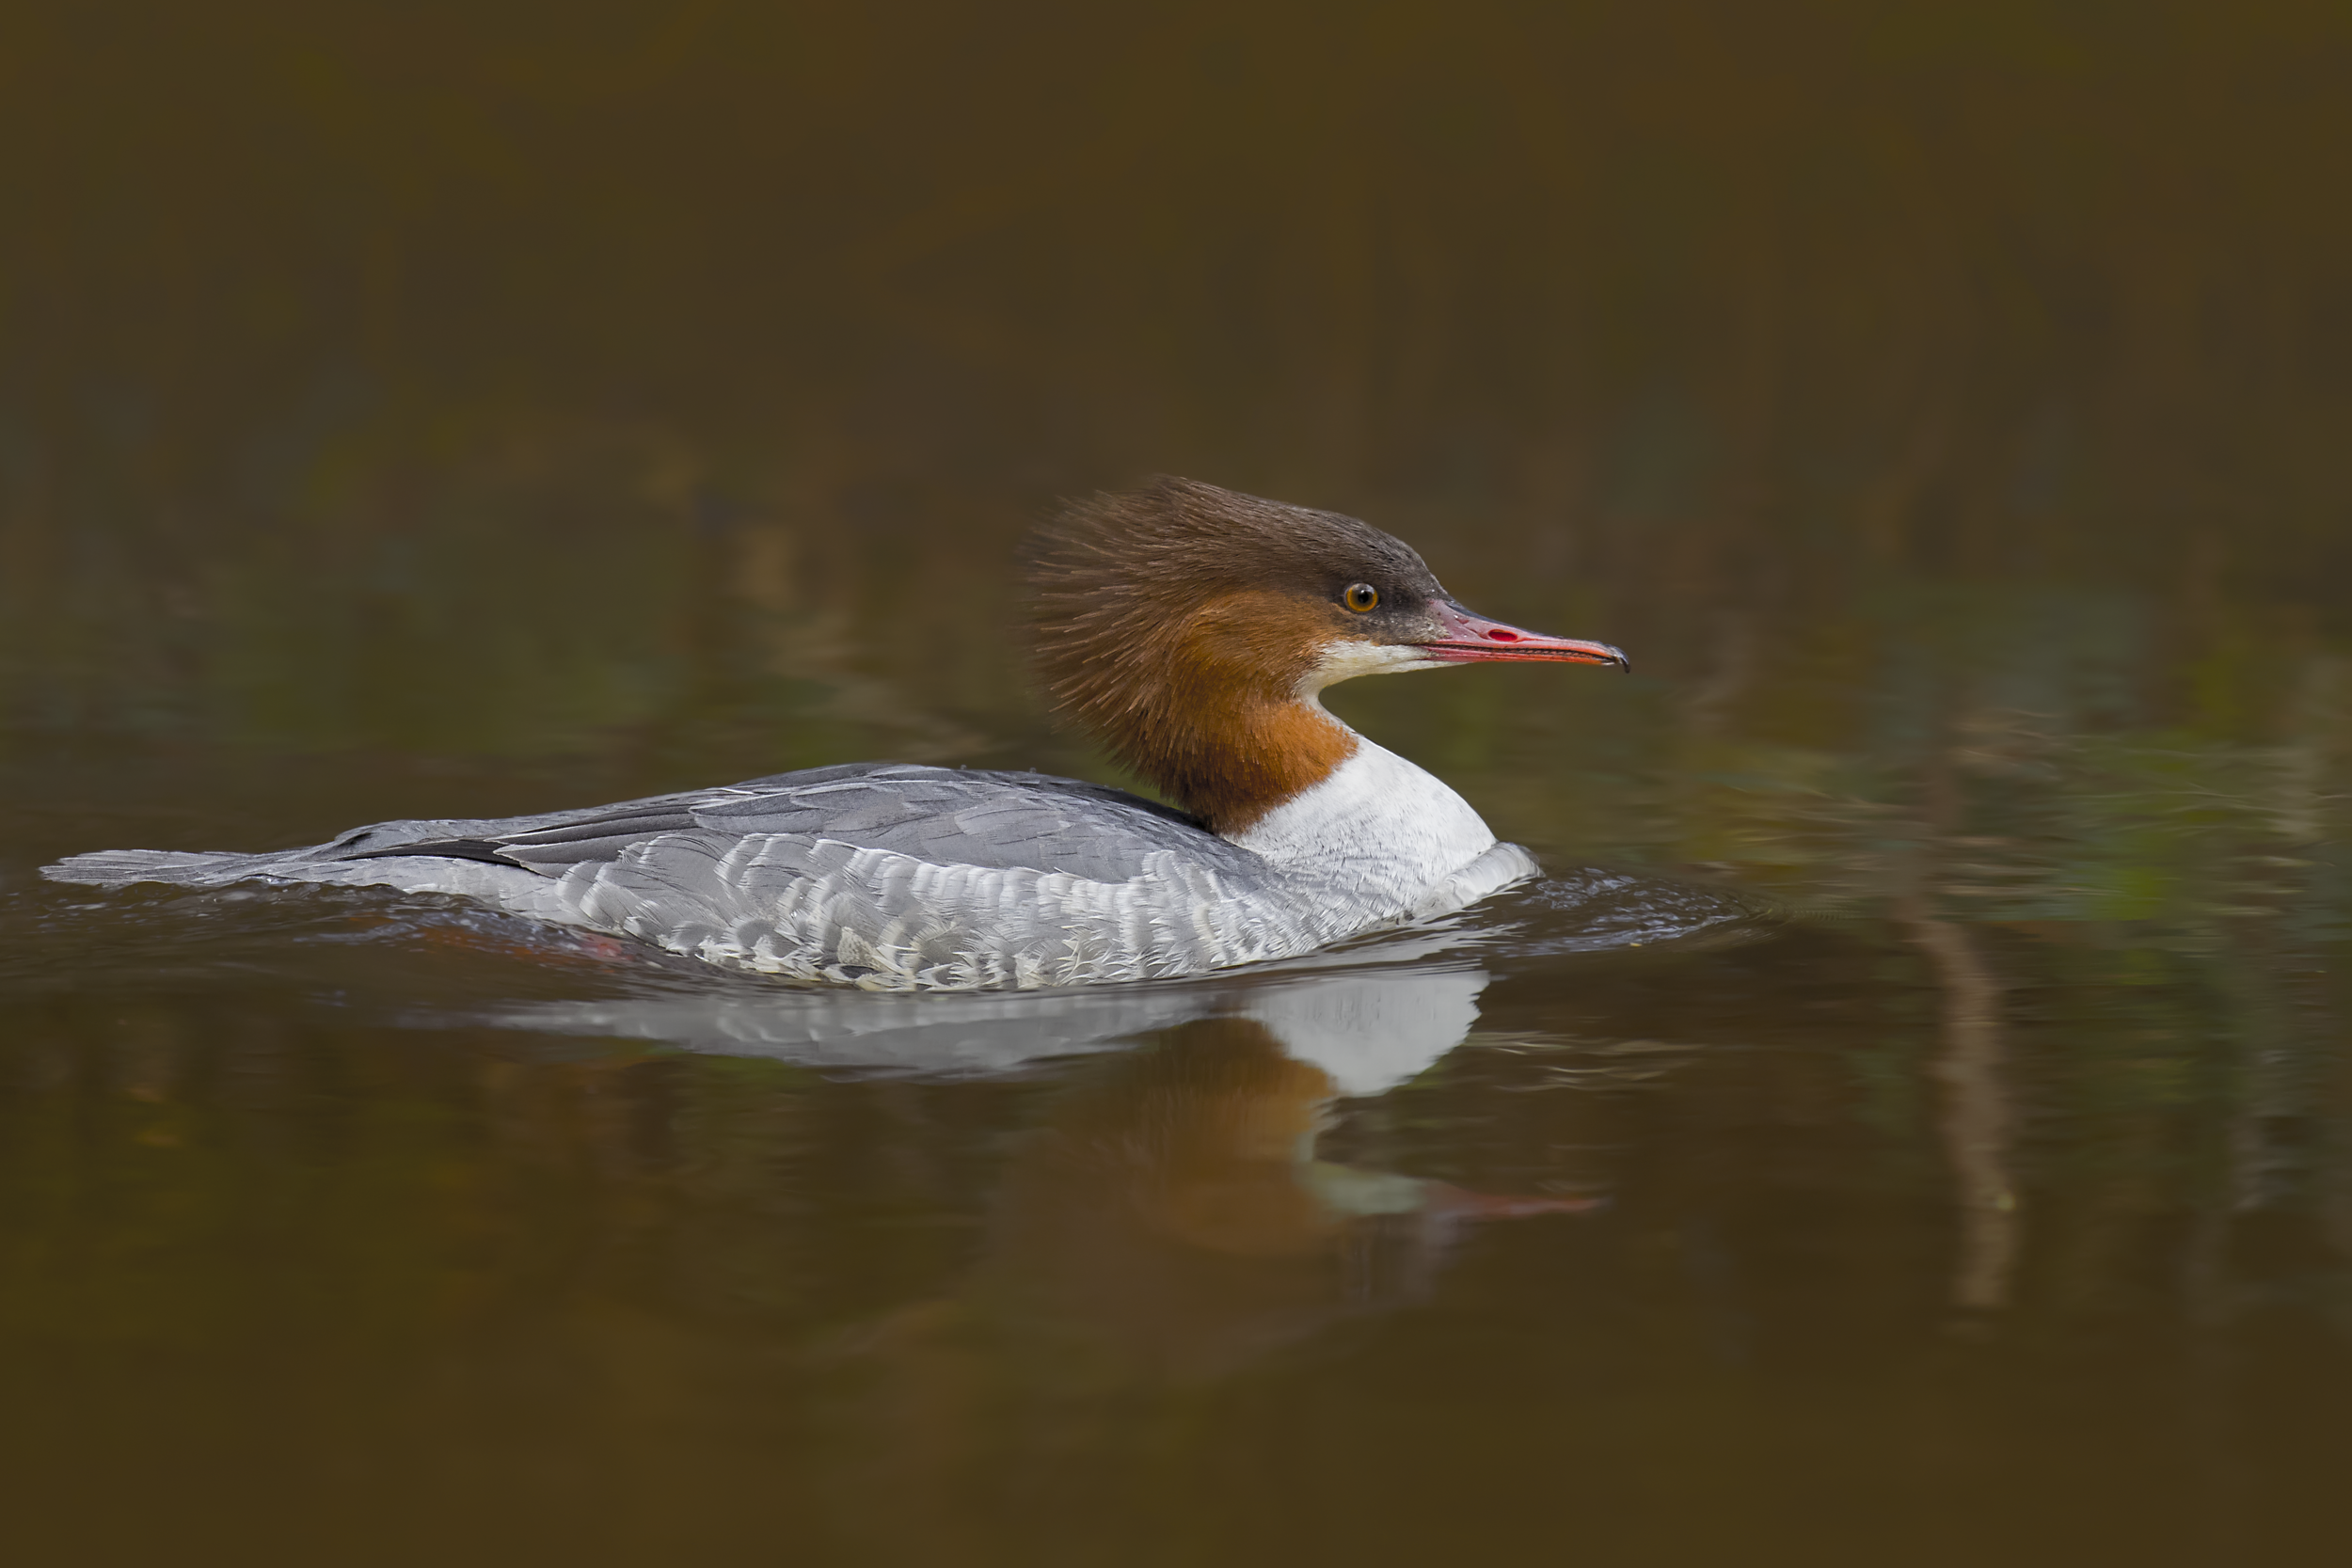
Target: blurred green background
x=437, y=409
x=421, y=374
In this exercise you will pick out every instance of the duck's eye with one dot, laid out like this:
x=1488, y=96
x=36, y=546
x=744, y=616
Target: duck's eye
x=1361, y=597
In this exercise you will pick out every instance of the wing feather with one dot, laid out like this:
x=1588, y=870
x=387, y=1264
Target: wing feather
x=891, y=876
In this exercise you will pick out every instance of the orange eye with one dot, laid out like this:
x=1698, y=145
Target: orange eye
x=1361, y=597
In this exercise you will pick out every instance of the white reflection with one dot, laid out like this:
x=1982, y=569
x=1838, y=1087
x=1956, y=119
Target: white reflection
x=1369, y=1030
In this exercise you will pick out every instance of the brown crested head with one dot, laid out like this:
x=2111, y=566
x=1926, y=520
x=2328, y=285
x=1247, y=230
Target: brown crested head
x=1189, y=627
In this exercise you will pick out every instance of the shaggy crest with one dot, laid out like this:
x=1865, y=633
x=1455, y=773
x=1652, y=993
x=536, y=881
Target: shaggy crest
x=1180, y=623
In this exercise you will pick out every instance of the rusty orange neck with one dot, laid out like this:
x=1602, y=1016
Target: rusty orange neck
x=1211, y=709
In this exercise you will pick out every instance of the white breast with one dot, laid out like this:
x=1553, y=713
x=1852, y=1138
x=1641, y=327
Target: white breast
x=1383, y=833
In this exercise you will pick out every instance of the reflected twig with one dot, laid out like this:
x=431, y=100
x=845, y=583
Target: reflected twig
x=1978, y=1123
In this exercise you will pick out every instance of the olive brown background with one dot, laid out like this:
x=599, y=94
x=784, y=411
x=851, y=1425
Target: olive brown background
x=459, y=409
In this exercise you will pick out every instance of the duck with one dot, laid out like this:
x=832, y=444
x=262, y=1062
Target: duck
x=1188, y=628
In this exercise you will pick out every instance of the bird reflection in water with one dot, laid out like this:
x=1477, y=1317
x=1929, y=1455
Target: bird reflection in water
x=1166, y=1225
x=1173, y=1213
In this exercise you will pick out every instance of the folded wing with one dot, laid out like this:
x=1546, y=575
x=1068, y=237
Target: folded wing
x=887, y=875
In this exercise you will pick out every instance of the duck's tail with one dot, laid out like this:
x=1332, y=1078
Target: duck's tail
x=182, y=868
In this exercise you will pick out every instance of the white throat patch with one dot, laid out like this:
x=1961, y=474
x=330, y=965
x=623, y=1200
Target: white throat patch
x=1344, y=659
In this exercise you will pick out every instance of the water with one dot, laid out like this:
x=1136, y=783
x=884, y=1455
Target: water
x=1909, y=1122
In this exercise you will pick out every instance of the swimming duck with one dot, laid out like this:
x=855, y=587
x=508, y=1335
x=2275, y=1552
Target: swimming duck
x=1191, y=629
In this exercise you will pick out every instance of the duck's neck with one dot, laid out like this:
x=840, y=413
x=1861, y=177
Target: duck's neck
x=1236, y=758
x=1283, y=777
x=1373, y=819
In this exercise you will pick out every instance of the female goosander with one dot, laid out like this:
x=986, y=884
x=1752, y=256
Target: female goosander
x=1191, y=629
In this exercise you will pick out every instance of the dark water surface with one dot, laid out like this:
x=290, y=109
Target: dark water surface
x=1911, y=1123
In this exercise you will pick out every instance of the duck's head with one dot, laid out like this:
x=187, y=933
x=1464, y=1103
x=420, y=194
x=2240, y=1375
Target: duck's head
x=1191, y=629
